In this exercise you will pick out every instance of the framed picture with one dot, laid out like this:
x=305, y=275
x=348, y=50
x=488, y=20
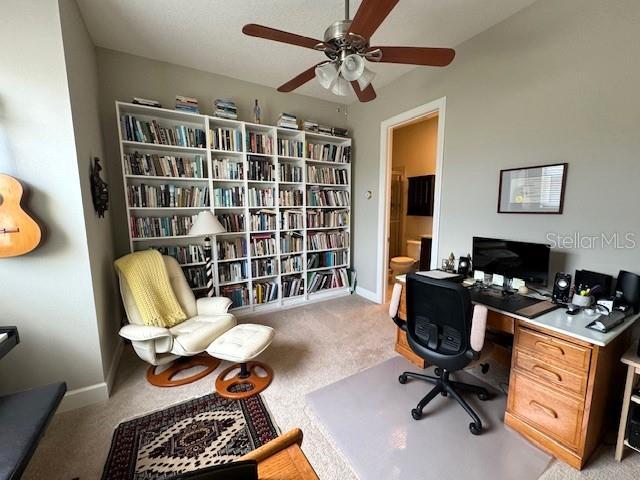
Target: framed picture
x=538, y=189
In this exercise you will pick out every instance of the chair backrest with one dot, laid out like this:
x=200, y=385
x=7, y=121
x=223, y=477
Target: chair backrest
x=439, y=318
x=183, y=292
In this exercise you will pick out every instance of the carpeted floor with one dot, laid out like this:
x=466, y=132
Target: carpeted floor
x=314, y=346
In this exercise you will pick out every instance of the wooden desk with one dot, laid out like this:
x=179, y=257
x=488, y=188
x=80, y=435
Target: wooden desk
x=560, y=384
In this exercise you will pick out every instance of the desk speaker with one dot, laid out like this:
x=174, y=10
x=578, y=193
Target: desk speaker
x=628, y=286
x=464, y=266
x=561, y=288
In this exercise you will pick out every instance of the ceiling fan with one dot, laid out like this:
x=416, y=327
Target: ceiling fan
x=346, y=44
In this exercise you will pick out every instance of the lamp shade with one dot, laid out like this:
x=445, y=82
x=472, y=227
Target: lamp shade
x=341, y=87
x=365, y=78
x=352, y=67
x=206, y=224
x=326, y=74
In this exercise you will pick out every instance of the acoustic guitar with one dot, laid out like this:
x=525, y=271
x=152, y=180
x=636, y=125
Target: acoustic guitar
x=19, y=233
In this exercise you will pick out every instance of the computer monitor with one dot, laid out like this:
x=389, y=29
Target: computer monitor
x=527, y=261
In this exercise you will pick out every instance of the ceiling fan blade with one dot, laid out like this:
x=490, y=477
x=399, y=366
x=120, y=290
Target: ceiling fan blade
x=365, y=95
x=433, y=57
x=298, y=81
x=370, y=15
x=279, y=36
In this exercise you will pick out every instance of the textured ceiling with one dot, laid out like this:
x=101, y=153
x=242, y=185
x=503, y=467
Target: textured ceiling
x=207, y=34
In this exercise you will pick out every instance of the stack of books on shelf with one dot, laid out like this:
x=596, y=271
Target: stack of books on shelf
x=340, y=132
x=227, y=169
x=261, y=197
x=310, y=126
x=264, y=267
x=162, y=165
x=228, y=197
x=154, y=196
x=134, y=130
x=187, y=104
x=292, y=286
x=148, y=227
x=288, y=147
x=146, y=102
x=232, y=222
x=264, y=292
x=226, y=139
x=325, y=129
x=231, y=249
x=327, y=198
x=328, y=152
x=328, y=175
x=263, y=220
x=261, y=169
x=292, y=264
x=262, y=244
x=328, y=240
x=184, y=254
x=290, y=173
x=232, y=272
x=292, y=219
x=259, y=143
x=225, y=109
x=287, y=120
x=337, y=278
x=327, y=259
x=327, y=218
x=290, y=198
x=239, y=295
x=196, y=276
x=291, y=242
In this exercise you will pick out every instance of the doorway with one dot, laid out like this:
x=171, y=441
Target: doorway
x=399, y=232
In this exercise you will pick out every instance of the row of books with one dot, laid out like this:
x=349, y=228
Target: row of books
x=232, y=272
x=259, y=143
x=232, y=222
x=291, y=242
x=261, y=197
x=239, y=295
x=328, y=198
x=226, y=139
x=290, y=198
x=326, y=240
x=264, y=292
x=228, y=197
x=334, y=176
x=292, y=286
x=183, y=253
x=146, y=102
x=166, y=196
x=261, y=168
x=292, y=264
x=289, y=147
x=263, y=220
x=263, y=267
x=163, y=165
x=225, y=109
x=262, y=244
x=196, y=276
x=328, y=152
x=227, y=169
x=330, y=218
x=291, y=219
x=315, y=127
x=135, y=130
x=290, y=173
x=146, y=227
x=327, y=259
x=288, y=120
x=187, y=104
x=231, y=249
x=317, y=281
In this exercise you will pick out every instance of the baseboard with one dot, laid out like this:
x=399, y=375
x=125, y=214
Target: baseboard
x=113, y=368
x=368, y=294
x=81, y=397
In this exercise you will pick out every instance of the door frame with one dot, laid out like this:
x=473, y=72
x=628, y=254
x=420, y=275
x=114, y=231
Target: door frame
x=384, y=186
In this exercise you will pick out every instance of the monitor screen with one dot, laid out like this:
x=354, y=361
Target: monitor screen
x=527, y=261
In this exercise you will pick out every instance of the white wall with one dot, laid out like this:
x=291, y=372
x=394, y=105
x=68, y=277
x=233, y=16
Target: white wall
x=556, y=82
x=47, y=293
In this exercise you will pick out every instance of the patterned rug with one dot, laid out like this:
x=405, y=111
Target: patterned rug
x=196, y=434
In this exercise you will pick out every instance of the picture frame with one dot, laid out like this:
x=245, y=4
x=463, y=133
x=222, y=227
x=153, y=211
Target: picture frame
x=533, y=190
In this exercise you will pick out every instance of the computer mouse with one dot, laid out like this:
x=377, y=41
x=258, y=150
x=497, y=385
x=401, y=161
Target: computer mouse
x=572, y=309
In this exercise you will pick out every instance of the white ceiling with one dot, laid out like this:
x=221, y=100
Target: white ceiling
x=207, y=34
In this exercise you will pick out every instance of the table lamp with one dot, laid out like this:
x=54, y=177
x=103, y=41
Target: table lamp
x=207, y=224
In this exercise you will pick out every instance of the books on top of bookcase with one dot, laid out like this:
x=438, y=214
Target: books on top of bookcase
x=187, y=104
x=146, y=102
x=225, y=109
x=288, y=120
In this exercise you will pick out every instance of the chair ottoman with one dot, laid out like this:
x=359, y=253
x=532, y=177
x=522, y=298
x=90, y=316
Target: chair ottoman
x=242, y=344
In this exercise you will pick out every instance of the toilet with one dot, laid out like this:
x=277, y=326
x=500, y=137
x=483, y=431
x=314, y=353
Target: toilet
x=402, y=265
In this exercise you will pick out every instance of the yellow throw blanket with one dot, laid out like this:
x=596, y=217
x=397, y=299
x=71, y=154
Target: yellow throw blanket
x=147, y=278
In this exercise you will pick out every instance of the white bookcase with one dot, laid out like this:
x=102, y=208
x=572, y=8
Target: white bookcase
x=280, y=165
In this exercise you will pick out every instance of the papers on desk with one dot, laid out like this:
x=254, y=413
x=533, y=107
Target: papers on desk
x=439, y=275
x=3, y=337
x=605, y=323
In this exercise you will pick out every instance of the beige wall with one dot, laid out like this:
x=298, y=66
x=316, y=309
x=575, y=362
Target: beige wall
x=414, y=153
x=556, y=82
x=123, y=76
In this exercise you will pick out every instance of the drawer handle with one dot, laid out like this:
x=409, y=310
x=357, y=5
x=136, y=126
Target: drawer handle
x=555, y=348
x=548, y=373
x=546, y=410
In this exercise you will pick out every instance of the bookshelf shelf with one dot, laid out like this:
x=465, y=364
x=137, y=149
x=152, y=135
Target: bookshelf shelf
x=216, y=162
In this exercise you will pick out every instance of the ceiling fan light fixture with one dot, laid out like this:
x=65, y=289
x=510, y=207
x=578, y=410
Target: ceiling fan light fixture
x=341, y=87
x=366, y=78
x=326, y=74
x=352, y=67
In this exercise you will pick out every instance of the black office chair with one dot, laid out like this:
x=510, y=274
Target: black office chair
x=444, y=329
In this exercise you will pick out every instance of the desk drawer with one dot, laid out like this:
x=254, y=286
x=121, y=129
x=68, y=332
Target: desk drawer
x=551, y=374
x=551, y=412
x=568, y=354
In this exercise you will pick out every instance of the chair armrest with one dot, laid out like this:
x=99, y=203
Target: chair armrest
x=213, y=305
x=478, y=327
x=395, y=305
x=274, y=446
x=141, y=333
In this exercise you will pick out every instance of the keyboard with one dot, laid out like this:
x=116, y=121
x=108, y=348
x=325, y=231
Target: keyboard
x=507, y=303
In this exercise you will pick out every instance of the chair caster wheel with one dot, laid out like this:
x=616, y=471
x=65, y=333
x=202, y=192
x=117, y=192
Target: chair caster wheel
x=444, y=394
x=416, y=414
x=438, y=371
x=402, y=379
x=483, y=396
x=484, y=368
x=475, y=428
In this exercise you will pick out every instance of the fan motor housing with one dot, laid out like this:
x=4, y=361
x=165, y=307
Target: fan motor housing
x=342, y=42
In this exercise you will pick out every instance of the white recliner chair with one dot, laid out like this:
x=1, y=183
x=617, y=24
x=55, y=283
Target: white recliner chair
x=207, y=319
